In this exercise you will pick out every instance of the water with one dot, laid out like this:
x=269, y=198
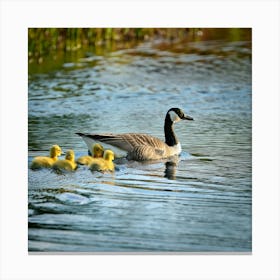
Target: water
x=199, y=202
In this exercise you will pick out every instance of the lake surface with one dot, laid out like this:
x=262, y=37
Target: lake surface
x=202, y=202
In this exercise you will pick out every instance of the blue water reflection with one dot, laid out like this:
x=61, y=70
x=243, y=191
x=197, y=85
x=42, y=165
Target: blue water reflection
x=200, y=202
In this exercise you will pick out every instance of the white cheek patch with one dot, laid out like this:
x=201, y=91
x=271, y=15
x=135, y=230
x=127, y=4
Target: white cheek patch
x=174, y=117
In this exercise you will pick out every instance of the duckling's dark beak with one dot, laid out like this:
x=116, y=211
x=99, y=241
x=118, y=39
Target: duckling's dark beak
x=186, y=117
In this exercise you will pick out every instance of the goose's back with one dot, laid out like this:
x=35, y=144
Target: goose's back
x=138, y=146
x=128, y=141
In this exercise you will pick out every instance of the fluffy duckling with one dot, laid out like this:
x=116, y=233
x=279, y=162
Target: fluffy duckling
x=105, y=163
x=66, y=164
x=47, y=162
x=97, y=152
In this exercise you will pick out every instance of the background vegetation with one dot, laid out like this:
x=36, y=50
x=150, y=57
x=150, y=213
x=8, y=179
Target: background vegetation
x=49, y=48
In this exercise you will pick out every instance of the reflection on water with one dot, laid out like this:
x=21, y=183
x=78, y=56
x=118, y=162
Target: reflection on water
x=200, y=201
x=170, y=169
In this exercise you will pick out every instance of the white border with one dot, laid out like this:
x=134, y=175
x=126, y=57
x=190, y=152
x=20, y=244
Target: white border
x=262, y=16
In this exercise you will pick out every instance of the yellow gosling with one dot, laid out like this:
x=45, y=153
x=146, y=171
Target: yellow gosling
x=105, y=163
x=97, y=152
x=66, y=164
x=47, y=162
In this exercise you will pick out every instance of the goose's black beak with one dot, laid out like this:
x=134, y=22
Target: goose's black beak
x=186, y=117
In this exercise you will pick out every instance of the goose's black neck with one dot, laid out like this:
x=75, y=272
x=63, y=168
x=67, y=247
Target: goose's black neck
x=170, y=137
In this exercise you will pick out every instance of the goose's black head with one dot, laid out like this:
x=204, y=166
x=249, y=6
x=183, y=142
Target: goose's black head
x=172, y=116
x=176, y=114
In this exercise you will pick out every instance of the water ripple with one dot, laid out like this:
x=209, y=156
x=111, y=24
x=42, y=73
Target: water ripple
x=201, y=202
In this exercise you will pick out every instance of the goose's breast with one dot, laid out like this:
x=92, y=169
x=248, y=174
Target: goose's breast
x=174, y=150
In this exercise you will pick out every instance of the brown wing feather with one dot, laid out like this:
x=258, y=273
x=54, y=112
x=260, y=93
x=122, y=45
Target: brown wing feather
x=128, y=141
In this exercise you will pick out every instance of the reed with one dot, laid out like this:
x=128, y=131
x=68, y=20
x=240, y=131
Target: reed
x=43, y=42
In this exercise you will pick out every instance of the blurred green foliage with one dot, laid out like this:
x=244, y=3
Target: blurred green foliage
x=46, y=42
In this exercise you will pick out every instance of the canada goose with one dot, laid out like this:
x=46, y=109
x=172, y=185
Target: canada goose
x=47, y=162
x=103, y=164
x=141, y=147
x=97, y=151
x=66, y=164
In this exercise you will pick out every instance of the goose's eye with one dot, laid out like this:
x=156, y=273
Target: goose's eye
x=180, y=114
